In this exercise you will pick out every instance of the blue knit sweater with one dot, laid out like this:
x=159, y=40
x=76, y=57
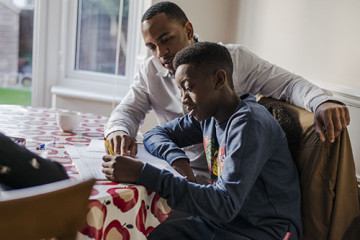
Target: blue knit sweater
x=255, y=187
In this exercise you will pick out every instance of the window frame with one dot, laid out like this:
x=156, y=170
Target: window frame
x=55, y=26
x=132, y=47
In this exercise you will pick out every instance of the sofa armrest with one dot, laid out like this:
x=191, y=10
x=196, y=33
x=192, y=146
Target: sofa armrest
x=327, y=176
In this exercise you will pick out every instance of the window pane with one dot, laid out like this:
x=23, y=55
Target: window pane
x=98, y=36
x=16, y=38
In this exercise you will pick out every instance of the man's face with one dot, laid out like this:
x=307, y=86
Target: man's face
x=165, y=38
x=197, y=91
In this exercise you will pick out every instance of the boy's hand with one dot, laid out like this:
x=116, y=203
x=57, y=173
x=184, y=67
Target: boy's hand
x=183, y=167
x=331, y=117
x=122, y=144
x=121, y=169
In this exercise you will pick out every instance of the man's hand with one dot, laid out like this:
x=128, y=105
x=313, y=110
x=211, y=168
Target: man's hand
x=121, y=169
x=122, y=144
x=183, y=167
x=332, y=118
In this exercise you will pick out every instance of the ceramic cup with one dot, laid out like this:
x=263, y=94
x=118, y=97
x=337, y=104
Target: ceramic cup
x=68, y=121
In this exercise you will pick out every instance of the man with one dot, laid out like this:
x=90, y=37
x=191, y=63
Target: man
x=166, y=30
x=255, y=192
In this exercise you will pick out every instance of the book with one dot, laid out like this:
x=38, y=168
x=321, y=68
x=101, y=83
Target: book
x=88, y=160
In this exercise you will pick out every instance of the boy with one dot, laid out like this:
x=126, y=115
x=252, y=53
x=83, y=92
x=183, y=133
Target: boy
x=255, y=192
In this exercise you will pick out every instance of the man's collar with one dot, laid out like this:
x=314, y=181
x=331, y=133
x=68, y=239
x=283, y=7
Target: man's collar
x=166, y=73
x=163, y=72
x=197, y=38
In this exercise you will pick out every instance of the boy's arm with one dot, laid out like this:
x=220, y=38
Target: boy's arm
x=249, y=148
x=230, y=191
x=166, y=141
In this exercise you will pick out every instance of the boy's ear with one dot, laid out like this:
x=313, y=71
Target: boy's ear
x=189, y=30
x=220, y=78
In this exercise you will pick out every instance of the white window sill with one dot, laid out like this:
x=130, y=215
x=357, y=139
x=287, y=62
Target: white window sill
x=102, y=92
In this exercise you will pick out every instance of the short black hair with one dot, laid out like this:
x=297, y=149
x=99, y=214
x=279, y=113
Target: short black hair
x=171, y=10
x=209, y=56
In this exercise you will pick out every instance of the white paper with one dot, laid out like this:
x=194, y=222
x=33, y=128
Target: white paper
x=87, y=163
x=96, y=146
x=88, y=160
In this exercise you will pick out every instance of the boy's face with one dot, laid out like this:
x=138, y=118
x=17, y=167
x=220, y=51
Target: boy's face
x=165, y=38
x=197, y=91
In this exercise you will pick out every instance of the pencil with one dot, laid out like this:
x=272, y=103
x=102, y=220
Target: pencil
x=108, y=146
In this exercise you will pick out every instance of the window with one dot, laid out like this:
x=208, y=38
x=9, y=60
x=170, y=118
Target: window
x=16, y=38
x=87, y=48
x=102, y=36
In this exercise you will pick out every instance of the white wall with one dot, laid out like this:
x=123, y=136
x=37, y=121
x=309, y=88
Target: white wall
x=211, y=19
x=319, y=40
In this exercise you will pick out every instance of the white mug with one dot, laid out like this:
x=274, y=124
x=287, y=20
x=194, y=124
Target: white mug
x=68, y=121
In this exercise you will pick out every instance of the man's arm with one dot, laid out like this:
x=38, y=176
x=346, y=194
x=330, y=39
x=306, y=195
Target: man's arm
x=124, y=121
x=330, y=119
x=122, y=144
x=257, y=76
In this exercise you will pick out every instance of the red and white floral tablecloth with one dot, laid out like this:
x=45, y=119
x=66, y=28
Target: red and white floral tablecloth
x=116, y=211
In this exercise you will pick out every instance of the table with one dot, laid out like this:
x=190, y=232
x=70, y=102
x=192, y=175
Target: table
x=116, y=211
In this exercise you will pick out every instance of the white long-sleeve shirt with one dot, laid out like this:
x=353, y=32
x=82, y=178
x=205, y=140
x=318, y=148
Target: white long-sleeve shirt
x=153, y=88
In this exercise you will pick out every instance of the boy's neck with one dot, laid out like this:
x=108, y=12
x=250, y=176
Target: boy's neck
x=228, y=106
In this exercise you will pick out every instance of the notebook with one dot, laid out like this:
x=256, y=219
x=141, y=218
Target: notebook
x=88, y=159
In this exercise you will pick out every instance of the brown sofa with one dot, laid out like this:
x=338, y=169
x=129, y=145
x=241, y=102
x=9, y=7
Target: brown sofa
x=327, y=176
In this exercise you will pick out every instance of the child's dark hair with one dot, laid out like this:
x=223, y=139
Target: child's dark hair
x=209, y=56
x=171, y=10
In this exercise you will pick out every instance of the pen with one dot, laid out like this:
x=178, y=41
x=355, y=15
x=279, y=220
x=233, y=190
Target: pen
x=42, y=146
x=108, y=146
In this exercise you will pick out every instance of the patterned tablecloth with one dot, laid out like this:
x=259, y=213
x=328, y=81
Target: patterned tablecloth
x=116, y=211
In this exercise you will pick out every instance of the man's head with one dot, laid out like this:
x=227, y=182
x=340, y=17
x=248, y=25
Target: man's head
x=204, y=75
x=166, y=30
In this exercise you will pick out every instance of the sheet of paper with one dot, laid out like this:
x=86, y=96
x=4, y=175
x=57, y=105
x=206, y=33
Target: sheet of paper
x=87, y=163
x=88, y=160
x=96, y=146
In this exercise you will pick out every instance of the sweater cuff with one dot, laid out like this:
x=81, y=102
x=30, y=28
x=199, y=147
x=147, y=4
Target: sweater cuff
x=149, y=176
x=320, y=100
x=175, y=155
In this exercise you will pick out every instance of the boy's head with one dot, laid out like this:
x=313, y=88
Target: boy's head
x=204, y=77
x=166, y=30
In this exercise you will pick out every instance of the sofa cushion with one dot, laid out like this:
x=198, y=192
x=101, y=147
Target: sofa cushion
x=327, y=176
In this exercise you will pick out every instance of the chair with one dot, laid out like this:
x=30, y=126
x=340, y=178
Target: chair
x=52, y=210
x=327, y=177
